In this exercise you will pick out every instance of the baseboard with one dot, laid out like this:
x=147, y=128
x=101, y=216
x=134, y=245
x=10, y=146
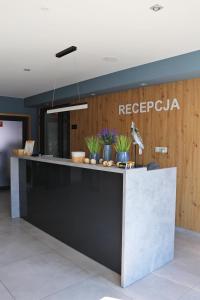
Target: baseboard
x=188, y=231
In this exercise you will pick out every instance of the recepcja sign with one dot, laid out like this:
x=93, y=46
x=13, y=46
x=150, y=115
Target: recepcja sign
x=147, y=106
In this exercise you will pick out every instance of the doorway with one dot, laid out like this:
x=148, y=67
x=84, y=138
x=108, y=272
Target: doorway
x=14, y=131
x=55, y=134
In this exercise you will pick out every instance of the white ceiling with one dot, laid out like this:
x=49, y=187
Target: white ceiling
x=30, y=35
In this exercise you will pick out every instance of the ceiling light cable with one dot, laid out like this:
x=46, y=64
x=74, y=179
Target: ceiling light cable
x=54, y=91
x=59, y=55
x=77, y=83
x=55, y=82
x=78, y=91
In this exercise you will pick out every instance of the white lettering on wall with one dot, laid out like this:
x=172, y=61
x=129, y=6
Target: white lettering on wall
x=121, y=109
x=166, y=106
x=143, y=107
x=128, y=109
x=150, y=105
x=135, y=108
x=175, y=104
x=158, y=105
x=147, y=106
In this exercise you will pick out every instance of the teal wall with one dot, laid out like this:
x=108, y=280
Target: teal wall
x=176, y=68
x=16, y=105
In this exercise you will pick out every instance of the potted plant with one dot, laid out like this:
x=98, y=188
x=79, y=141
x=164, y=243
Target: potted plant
x=108, y=138
x=122, y=147
x=94, y=146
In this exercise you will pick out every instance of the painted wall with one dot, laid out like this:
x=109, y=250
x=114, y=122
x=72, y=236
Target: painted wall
x=16, y=106
x=167, y=70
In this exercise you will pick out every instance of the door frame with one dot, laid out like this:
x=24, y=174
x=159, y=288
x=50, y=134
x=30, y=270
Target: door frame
x=42, y=113
x=60, y=131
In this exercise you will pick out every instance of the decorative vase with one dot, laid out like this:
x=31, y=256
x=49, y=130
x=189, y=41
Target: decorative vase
x=107, y=152
x=94, y=156
x=122, y=157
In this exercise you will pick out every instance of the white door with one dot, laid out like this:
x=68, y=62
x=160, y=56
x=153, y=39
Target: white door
x=11, y=137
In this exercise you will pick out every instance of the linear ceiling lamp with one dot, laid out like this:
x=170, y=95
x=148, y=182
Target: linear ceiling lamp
x=67, y=108
x=66, y=51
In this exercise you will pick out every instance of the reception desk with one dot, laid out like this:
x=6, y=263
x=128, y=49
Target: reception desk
x=124, y=219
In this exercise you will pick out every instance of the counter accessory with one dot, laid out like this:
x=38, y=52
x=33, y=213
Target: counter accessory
x=86, y=160
x=78, y=156
x=93, y=161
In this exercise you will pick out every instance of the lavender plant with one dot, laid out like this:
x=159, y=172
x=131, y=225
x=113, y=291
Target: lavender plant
x=108, y=136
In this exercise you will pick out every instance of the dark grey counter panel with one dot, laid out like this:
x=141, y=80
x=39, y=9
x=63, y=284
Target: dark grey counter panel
x=80, y=207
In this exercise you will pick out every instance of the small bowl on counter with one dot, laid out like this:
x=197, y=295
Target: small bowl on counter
x=18, y=152
x=78, y=156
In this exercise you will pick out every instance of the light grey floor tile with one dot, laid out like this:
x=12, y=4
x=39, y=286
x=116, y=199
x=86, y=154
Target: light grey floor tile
x=86, y=263
x=39, y=276
x=18, y=245
x=34, y=265
x=4, y=294
x=155, y=288
x=179, y=273
x=187, y=244
x=188, y=235
x=191, y=295
x=190, y=262
x=93, y=289
x=76, y=257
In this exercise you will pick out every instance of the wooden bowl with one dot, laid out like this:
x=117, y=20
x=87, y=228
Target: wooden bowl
x=78, y=156
x=18, y=152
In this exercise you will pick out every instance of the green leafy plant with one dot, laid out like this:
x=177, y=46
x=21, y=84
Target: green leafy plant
x=93, y=143
x=123, y=143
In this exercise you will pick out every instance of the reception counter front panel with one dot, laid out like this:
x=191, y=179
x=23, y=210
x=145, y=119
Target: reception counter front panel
x=80, y=207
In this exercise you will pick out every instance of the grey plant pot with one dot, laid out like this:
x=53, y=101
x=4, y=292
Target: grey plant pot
x=122, y=157
x=94, y=156
x=107, y=152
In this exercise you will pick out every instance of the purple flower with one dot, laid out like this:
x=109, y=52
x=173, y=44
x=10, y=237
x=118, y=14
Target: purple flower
x=108, y=136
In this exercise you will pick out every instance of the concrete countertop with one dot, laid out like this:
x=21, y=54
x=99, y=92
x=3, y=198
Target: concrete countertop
x=68, y=162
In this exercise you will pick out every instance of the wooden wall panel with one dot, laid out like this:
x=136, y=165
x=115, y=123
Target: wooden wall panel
x=179, y=130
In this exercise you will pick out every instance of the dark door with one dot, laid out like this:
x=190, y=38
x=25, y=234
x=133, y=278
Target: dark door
x=55, y=134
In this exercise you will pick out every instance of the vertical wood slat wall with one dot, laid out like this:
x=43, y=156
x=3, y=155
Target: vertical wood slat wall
x=179, y=130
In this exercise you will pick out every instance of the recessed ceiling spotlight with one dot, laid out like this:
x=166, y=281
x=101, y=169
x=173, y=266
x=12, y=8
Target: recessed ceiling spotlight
x=143, y=84
x=156, y=7
x=92, y=94
x=27, y=69
x=110, y=59
x=44, y=8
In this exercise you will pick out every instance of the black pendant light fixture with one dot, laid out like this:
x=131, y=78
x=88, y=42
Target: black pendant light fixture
x=68, y=108
x=66, y=51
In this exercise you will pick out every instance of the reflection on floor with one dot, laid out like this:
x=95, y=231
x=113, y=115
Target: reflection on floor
x=35, y=266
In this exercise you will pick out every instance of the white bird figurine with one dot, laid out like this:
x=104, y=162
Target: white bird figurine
x=137, y=137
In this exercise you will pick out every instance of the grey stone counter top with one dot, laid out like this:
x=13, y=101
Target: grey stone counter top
x=68, y=162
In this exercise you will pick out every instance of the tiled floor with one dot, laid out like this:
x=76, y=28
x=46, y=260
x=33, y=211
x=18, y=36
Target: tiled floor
x=35, y=266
